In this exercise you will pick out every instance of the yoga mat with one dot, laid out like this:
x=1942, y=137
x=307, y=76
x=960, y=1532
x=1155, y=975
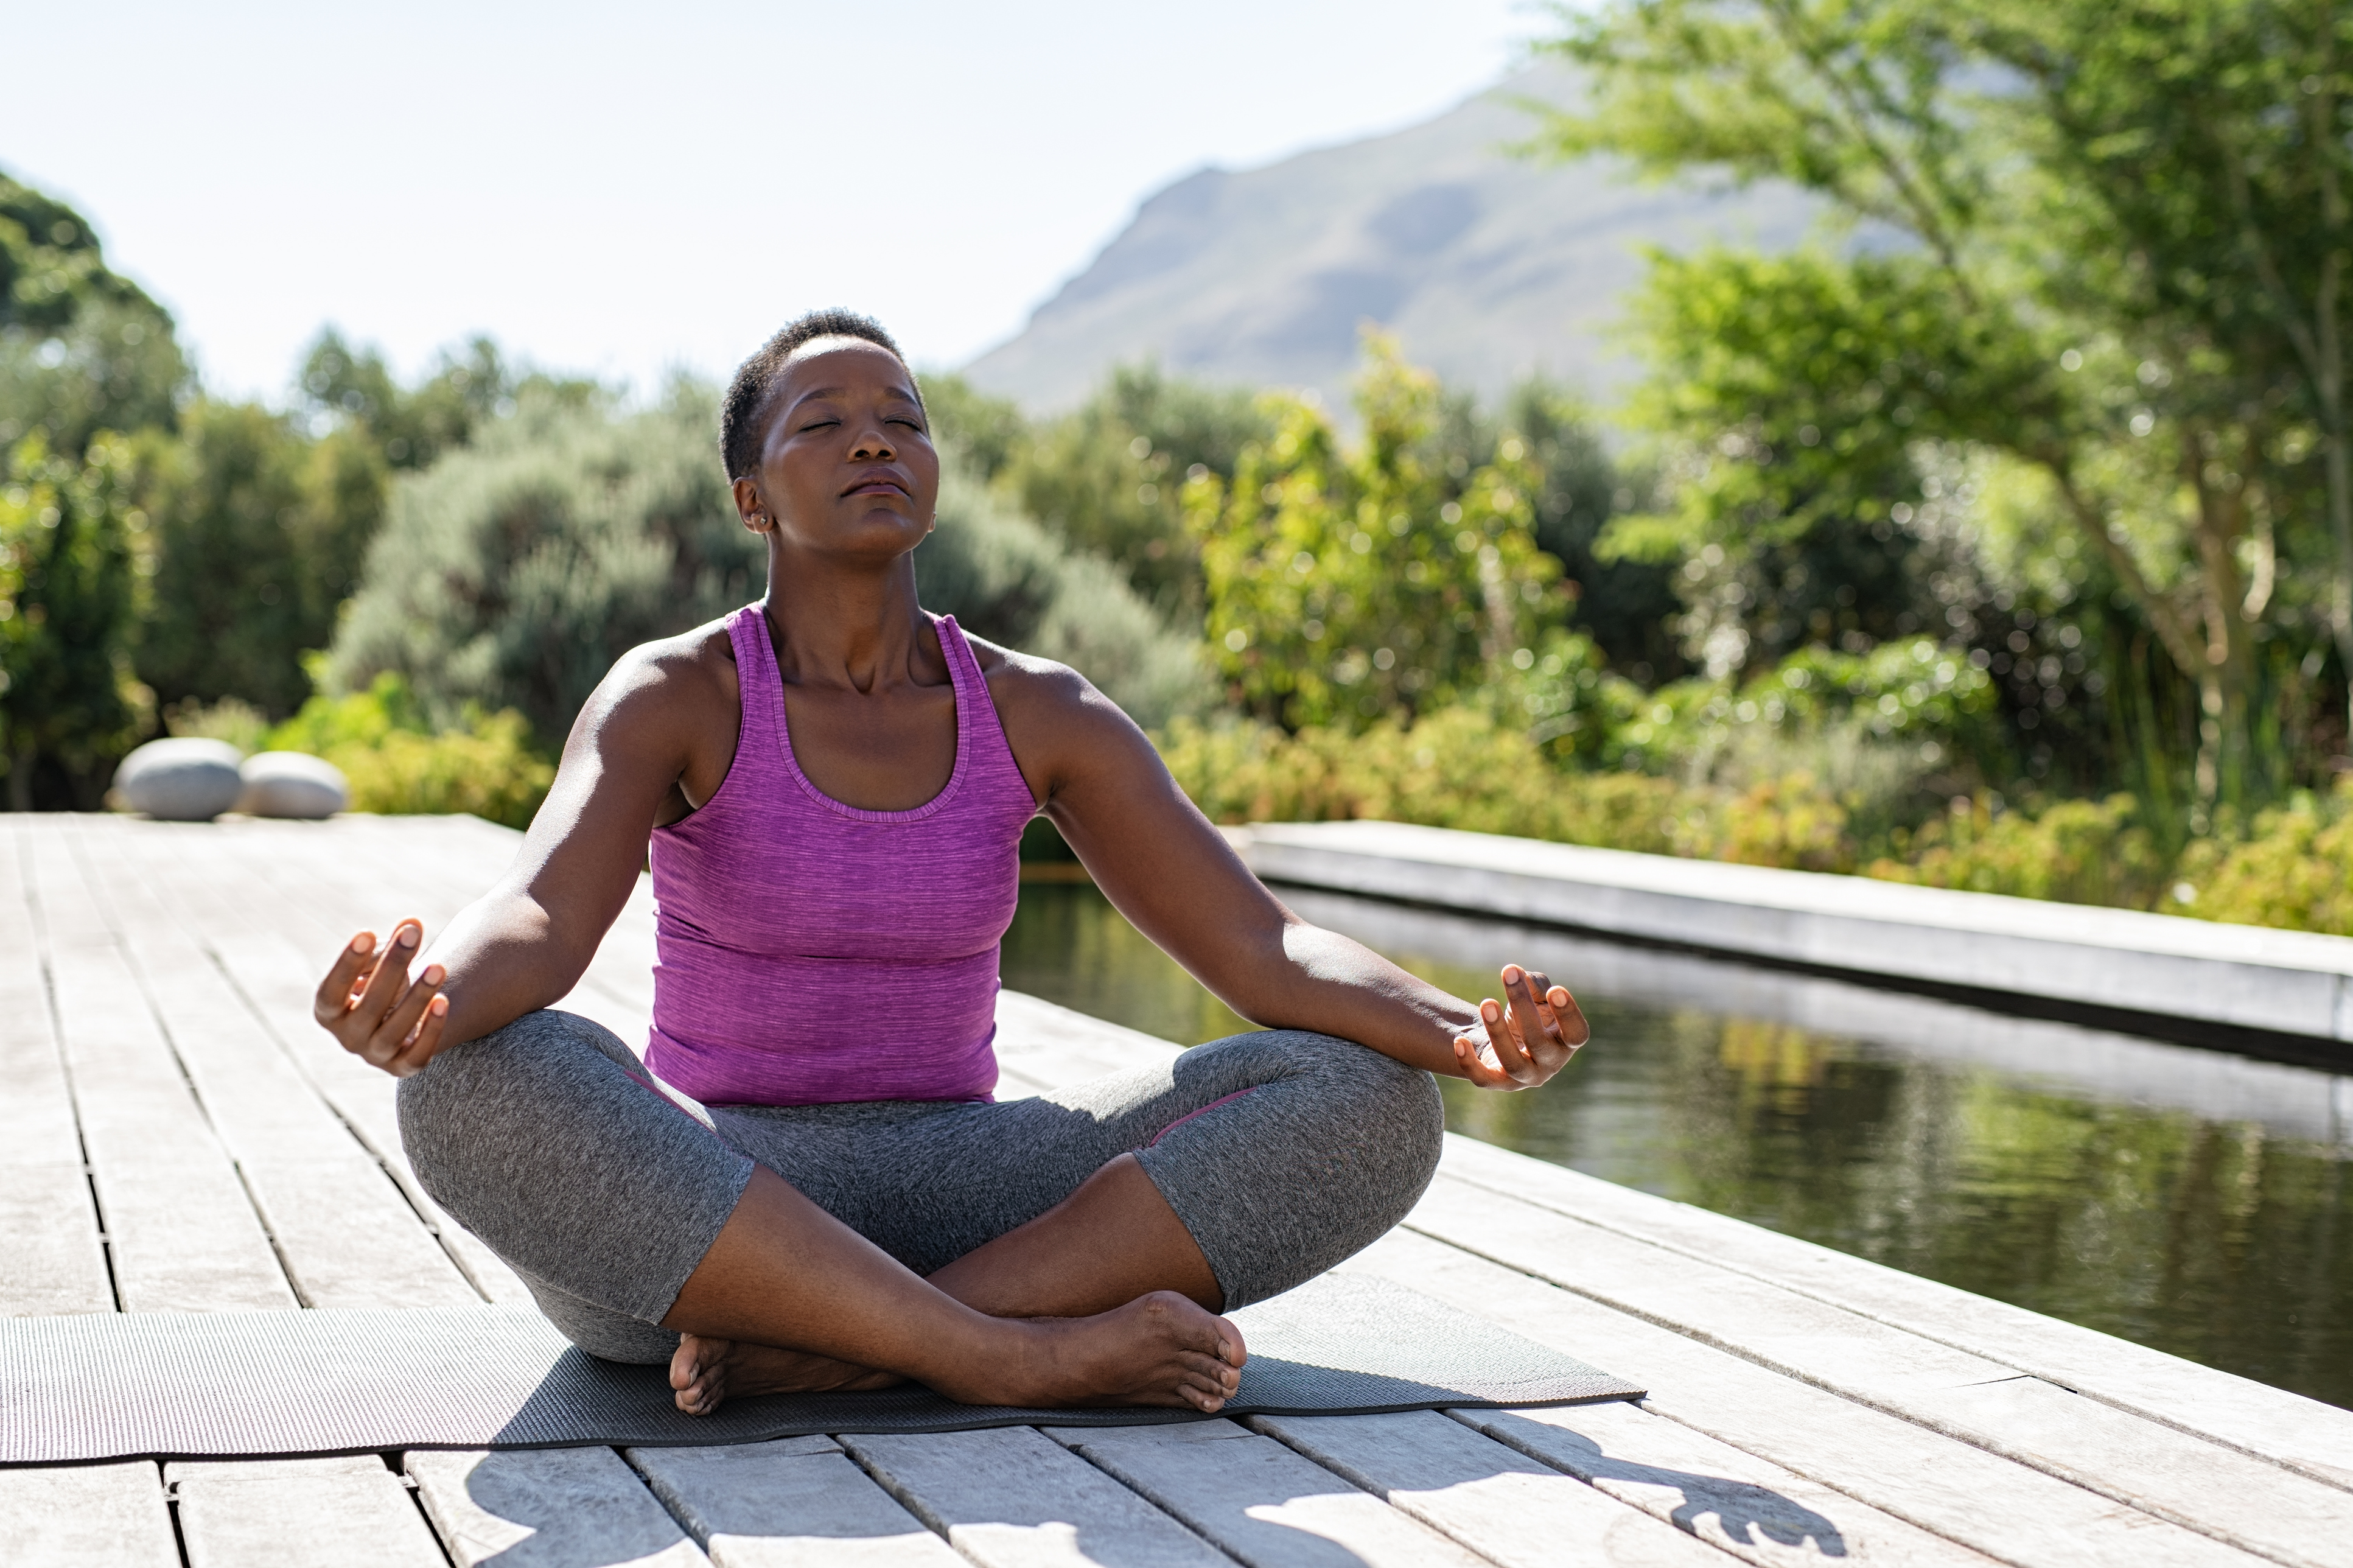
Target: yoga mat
x=247, y=1384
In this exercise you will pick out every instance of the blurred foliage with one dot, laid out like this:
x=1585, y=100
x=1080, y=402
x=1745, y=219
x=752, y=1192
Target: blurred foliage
x=2078, y=852
x=68, y=705
x=82, y=349
x=2294, y=868
x=1461, y=768
x=257, y=531
x=348, y=388
x=1345, y=587
x=1625, y=606
x=983, y=431
x=231, y=719
x=397, y=762
x=513, y=572
x=1109, y=477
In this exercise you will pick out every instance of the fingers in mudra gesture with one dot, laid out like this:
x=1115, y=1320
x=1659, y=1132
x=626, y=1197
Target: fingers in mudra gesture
x=1529, y=1035
x=371, y=1006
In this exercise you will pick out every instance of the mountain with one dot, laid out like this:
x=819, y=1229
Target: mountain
x=1486, y=266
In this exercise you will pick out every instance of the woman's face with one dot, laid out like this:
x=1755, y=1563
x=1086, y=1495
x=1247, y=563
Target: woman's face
x=847, y=465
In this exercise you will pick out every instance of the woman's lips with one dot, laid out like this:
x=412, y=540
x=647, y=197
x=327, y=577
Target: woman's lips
x=877, y=487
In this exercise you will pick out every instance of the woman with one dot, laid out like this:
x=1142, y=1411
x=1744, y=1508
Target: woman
x=835, y=783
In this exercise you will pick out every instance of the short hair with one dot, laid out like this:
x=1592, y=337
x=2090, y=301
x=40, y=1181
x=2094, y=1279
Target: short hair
x=740, y=430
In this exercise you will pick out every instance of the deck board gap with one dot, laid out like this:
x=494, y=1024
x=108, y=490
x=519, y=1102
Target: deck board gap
x=37, y=917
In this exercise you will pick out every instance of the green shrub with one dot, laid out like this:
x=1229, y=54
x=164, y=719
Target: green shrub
x=397, y=765
x=2295, y=870
x=2078, y=852
x=514, y=571
x=1458, y=768
x=232, y=719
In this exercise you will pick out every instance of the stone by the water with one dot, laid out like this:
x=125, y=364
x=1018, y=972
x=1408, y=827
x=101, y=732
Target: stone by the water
x=292, y=784
x=183, y=779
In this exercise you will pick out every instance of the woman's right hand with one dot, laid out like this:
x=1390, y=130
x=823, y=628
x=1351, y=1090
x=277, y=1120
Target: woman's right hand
x=368, y=1003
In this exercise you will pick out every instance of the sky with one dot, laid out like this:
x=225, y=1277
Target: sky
x=626, y=191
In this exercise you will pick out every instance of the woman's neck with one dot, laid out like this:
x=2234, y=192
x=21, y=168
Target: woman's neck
x=848, y=626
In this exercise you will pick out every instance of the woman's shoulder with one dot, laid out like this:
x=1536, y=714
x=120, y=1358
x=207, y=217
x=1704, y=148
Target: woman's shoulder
x=692, y=667
x=1030, y=682
x=1047, y=708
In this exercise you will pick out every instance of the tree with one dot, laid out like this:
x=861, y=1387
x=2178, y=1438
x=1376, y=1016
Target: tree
x=255, y=527
x=1625, y=604
x=82, y=349
x=2077, y=289
x=68, y=706
x=352, y=390
x=1108, y=476
x=515, y=570
x=1346, y=587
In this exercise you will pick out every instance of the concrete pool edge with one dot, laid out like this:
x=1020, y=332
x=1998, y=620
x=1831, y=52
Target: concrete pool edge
x=2285, y=993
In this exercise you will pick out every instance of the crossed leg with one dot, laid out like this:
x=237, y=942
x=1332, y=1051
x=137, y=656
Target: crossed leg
x=1114, y=1250
x=1065, y=1250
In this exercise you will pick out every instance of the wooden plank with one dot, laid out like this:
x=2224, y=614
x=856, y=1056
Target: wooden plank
x=346, y=1235
x=2173, y=1475
x=362, y=873
x=432, y=867
x=85, y=1516
x=183, y=1232
x=1948, y=1488
x=1012, y=1497
x=1508, y=1508
x=796, y=1503
x=2229, y=1495
x=57, y=1255
x=2270, y=1423
x=578, y=1508
x=1807, y=1339
x=1256, y=1500
x=352, y=1512
x=1754, y=1510
x=212, y=897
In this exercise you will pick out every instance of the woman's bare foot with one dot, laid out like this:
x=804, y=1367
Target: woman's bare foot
x=705, y=1371
x=1160, y=1349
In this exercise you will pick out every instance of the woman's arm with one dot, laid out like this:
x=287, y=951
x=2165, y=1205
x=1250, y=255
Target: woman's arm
x=1173, y=874
x=524, y=944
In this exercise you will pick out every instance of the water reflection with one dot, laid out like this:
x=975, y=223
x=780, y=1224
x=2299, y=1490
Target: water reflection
x=2189, y=1199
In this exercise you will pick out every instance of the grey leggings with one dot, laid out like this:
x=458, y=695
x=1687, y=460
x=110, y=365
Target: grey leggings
x=1283, y=1152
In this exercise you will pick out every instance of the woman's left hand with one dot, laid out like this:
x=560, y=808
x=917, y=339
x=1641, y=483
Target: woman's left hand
x=1529, y=1037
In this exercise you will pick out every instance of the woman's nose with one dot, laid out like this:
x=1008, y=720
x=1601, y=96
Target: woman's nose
x=872, y=446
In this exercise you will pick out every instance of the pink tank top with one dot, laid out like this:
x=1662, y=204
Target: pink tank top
x=810, y=952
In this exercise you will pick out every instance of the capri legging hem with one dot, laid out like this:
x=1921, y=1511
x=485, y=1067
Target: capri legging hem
x=1282, y=1152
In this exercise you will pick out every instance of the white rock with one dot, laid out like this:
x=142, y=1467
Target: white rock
x=184, y=779
x=292, y=784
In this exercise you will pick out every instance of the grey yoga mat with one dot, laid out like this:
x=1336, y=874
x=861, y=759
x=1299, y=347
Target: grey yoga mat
x=242, y=1385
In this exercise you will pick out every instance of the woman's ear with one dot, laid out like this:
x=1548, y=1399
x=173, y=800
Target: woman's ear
x=752, y=508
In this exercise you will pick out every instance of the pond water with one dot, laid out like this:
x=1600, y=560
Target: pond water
x=2190, y=1200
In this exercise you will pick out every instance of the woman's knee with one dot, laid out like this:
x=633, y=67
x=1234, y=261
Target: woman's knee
x=1377, y=1100
x=475, y=1101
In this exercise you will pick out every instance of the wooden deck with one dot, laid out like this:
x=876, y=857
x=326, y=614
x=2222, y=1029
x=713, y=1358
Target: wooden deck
x=176, y=1136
